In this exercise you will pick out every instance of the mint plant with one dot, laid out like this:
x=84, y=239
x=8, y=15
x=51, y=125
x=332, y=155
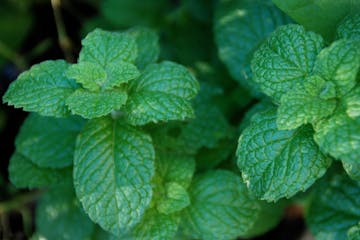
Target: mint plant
x=290, y=145
x=100, y=140
x=124, y=144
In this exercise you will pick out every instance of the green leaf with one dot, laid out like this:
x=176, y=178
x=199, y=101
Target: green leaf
x=119, y=73
x=113, y=167
x=354, y=233
x=173, y=167
x=349, y=28
x=335, y=208
x=59, y=216
x=49, y=142
x=352, y=169
x=321, y=16
x=176, y=198
x=42, y=89
x=161, y=93
x=241, y=26
x=308, y=102
x=147, y=42
x=266, y=156
x=221, y=208
x=145, y=107
x=155, y=226
x=90, y=75
x=124, y=13
x=285, y=59
x=209, y=126
x=167, y=77
x=25, y=174
x=339, y=136
x=352, y=102
x=95, y=104
x=103, y=48
x=339, y=63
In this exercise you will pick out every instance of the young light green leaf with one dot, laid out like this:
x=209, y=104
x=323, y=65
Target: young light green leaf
x=354, y=233
x=339, y=63
x=59, y=216
x=241, y=26
x=285, y=59
x=352, y=169
x=349, y=28
x=335, y=208
x=147, y=42
x=266, y=156
x=155, y=226
x=161, y=93
x=176, y=198
x=321, y=16
x=145, y=107
x=89, y=74
x=307, y=102
x=25, y=174
x=167, y=77
x=119, y=73
x=173, y=167
x=103, y=47
x=221, y=208
x=49, y=142
x=95, y=104
x=352, y=102
x=113, y=167
x=42, y=89
x=339, y=136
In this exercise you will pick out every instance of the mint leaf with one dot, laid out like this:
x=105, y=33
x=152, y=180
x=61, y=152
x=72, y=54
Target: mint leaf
x=173, y=167
x=167, y=77
x=90, y=75
x=339, y=63
x=176, y=198
x=95, y=104
x=25, y=174
x=209, y=126
x=113, y=166
x=321, y=16
x=94, y=77
x=349, y=28
x=49, y=142
x=285, y=59
x=103, y=47
x=354, y=233
x=352, y=102
x=240, y=27
x=335, y=208
x=339, y=136
x=155, y=226
x=119, y=73
x=42, y=89
x=307, y=102
x=161, y=93
x=352, y=169
x=147, y=41
x=221, y=208
x=266, y=156
x=59, y=216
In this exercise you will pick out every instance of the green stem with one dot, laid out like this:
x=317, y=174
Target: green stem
x=18, y=201
x=64, y=40
x=9, y=54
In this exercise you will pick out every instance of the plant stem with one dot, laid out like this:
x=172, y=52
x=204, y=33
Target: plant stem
x=64, y=40
x=9, y=54
x=18, y=201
